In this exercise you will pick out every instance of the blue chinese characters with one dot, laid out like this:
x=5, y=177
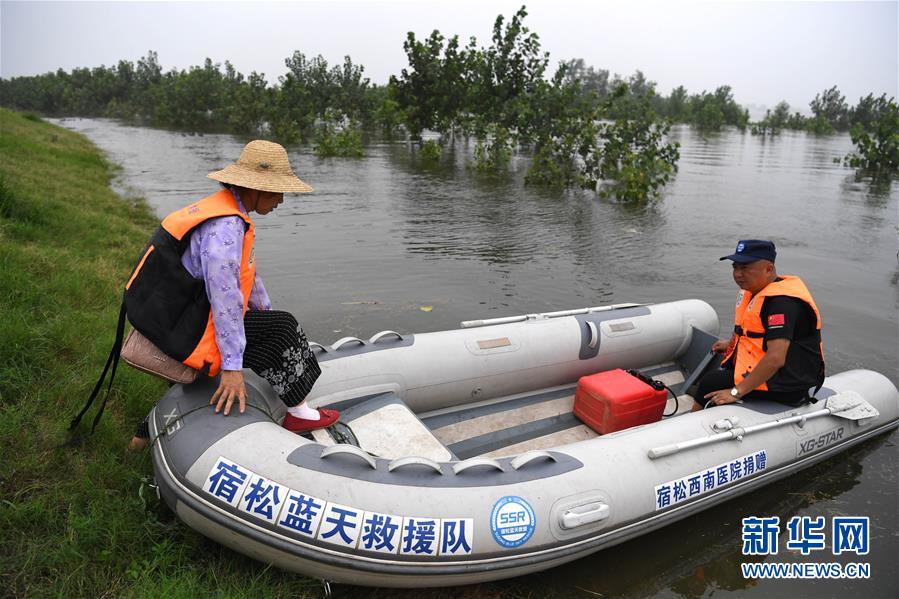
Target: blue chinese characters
x=263, y=498
x=294, y=512
x=227, y=481
x=704, y=481
x=302, y=513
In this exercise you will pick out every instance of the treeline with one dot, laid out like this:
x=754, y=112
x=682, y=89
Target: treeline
x=502, y=96
x=708, y=111
x=580, y=125
x=499, y=95
x=205, y=98
x=830, y=113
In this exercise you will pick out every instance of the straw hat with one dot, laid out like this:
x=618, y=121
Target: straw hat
x=262, y=165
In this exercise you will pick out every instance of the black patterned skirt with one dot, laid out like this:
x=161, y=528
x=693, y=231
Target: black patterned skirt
x=277, y=350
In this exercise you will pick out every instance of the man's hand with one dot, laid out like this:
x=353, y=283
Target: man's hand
x=231, y=387
x=722, y=346
x=720, y=397
x=719, y=347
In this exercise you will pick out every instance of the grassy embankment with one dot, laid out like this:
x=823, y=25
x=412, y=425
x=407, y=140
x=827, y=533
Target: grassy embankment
x=71, y=521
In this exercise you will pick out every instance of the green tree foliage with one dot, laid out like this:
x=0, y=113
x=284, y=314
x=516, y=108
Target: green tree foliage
x=505, y=77
x=707, y=111
x=635, y=160
x=207, y=97
x=711, y=111
x=311, y=88
x=678, y=108
x=566, y=133
x=431, y=151
x=830, y=112
x=774, y=121
x=431, y=93
x=876, y=139
x=338, y=135
x=500, y=96
x=590, y=79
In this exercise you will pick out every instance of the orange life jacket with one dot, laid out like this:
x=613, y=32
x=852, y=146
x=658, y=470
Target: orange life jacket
x=749, y=347
x=168, y=305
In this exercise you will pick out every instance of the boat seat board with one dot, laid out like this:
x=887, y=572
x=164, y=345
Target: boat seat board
x=488, y=423
x=567, y=436
x=385, y=426
x=467, y=413
x=485, y=443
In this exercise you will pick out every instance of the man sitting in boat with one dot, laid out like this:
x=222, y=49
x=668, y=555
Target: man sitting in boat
x=198, y=274
x=775, y=352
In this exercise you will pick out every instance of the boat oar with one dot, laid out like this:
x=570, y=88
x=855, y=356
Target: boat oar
x=848, y=405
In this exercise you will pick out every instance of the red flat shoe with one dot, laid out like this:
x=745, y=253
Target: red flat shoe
x=301, y=425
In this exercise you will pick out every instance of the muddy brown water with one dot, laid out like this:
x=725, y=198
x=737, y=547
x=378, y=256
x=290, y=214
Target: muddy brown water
x=386, y=242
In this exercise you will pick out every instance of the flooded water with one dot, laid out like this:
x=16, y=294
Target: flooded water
x=384, y=236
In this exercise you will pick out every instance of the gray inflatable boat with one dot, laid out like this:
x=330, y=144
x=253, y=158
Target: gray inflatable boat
x=459, y=460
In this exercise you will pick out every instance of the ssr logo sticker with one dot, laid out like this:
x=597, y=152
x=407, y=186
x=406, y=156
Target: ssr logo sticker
x=512, y=521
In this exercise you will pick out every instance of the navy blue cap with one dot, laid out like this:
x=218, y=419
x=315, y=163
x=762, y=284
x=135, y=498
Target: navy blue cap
x=750, y=250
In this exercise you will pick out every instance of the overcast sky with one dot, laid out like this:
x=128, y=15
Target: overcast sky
x=767, y=51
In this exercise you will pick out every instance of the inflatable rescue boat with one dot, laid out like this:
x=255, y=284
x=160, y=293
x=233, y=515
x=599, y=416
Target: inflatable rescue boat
x=495, y=450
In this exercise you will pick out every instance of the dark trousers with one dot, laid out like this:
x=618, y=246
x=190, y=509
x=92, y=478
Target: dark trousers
x=721, y=378
x=276, y=350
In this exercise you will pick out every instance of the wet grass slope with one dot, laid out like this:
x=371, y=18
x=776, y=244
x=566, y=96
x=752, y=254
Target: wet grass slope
x=72, y=523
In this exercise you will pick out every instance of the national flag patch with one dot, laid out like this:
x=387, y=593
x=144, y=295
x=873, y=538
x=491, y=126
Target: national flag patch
x=776, y=320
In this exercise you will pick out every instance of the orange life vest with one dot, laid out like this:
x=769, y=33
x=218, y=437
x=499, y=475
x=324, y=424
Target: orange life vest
x=750, y=331
x=168, y=305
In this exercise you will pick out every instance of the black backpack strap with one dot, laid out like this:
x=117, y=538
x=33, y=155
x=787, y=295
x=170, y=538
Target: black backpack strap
x=112, y=360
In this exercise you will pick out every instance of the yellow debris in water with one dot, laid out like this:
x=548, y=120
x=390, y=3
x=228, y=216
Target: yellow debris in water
x=426, y=308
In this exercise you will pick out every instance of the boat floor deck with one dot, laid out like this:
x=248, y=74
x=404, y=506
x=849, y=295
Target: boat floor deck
x=498, y=427
x=539, y=420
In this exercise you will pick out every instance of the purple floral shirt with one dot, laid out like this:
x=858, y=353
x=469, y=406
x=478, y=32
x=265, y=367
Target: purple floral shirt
x=214, y=256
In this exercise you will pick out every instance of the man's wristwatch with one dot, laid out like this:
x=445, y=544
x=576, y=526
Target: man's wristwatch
x=734, y=393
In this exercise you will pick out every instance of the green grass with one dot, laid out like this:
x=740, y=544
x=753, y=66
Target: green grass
x=72, y=523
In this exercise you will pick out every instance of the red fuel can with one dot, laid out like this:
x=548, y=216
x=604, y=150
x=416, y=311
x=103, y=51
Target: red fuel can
x=615, y=400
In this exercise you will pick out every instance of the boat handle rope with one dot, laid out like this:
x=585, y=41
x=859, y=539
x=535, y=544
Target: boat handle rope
x=351, y=450
x=146, y=481
x=849, y=405
x=414, y=461
x=377, y=337
x=460, y=467
x=468, y=324
x=529, y=457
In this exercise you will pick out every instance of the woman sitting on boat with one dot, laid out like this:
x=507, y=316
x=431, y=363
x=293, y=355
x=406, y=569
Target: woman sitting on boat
x=196, y=295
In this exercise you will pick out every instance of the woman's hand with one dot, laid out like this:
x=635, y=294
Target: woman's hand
x=231, y=387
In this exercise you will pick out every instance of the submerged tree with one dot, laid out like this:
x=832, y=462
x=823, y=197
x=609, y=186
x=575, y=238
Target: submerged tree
x=876, y=140
x=635, y=160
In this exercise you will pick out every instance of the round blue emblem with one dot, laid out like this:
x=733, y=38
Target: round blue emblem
x=512, y=521
x=740, y=247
